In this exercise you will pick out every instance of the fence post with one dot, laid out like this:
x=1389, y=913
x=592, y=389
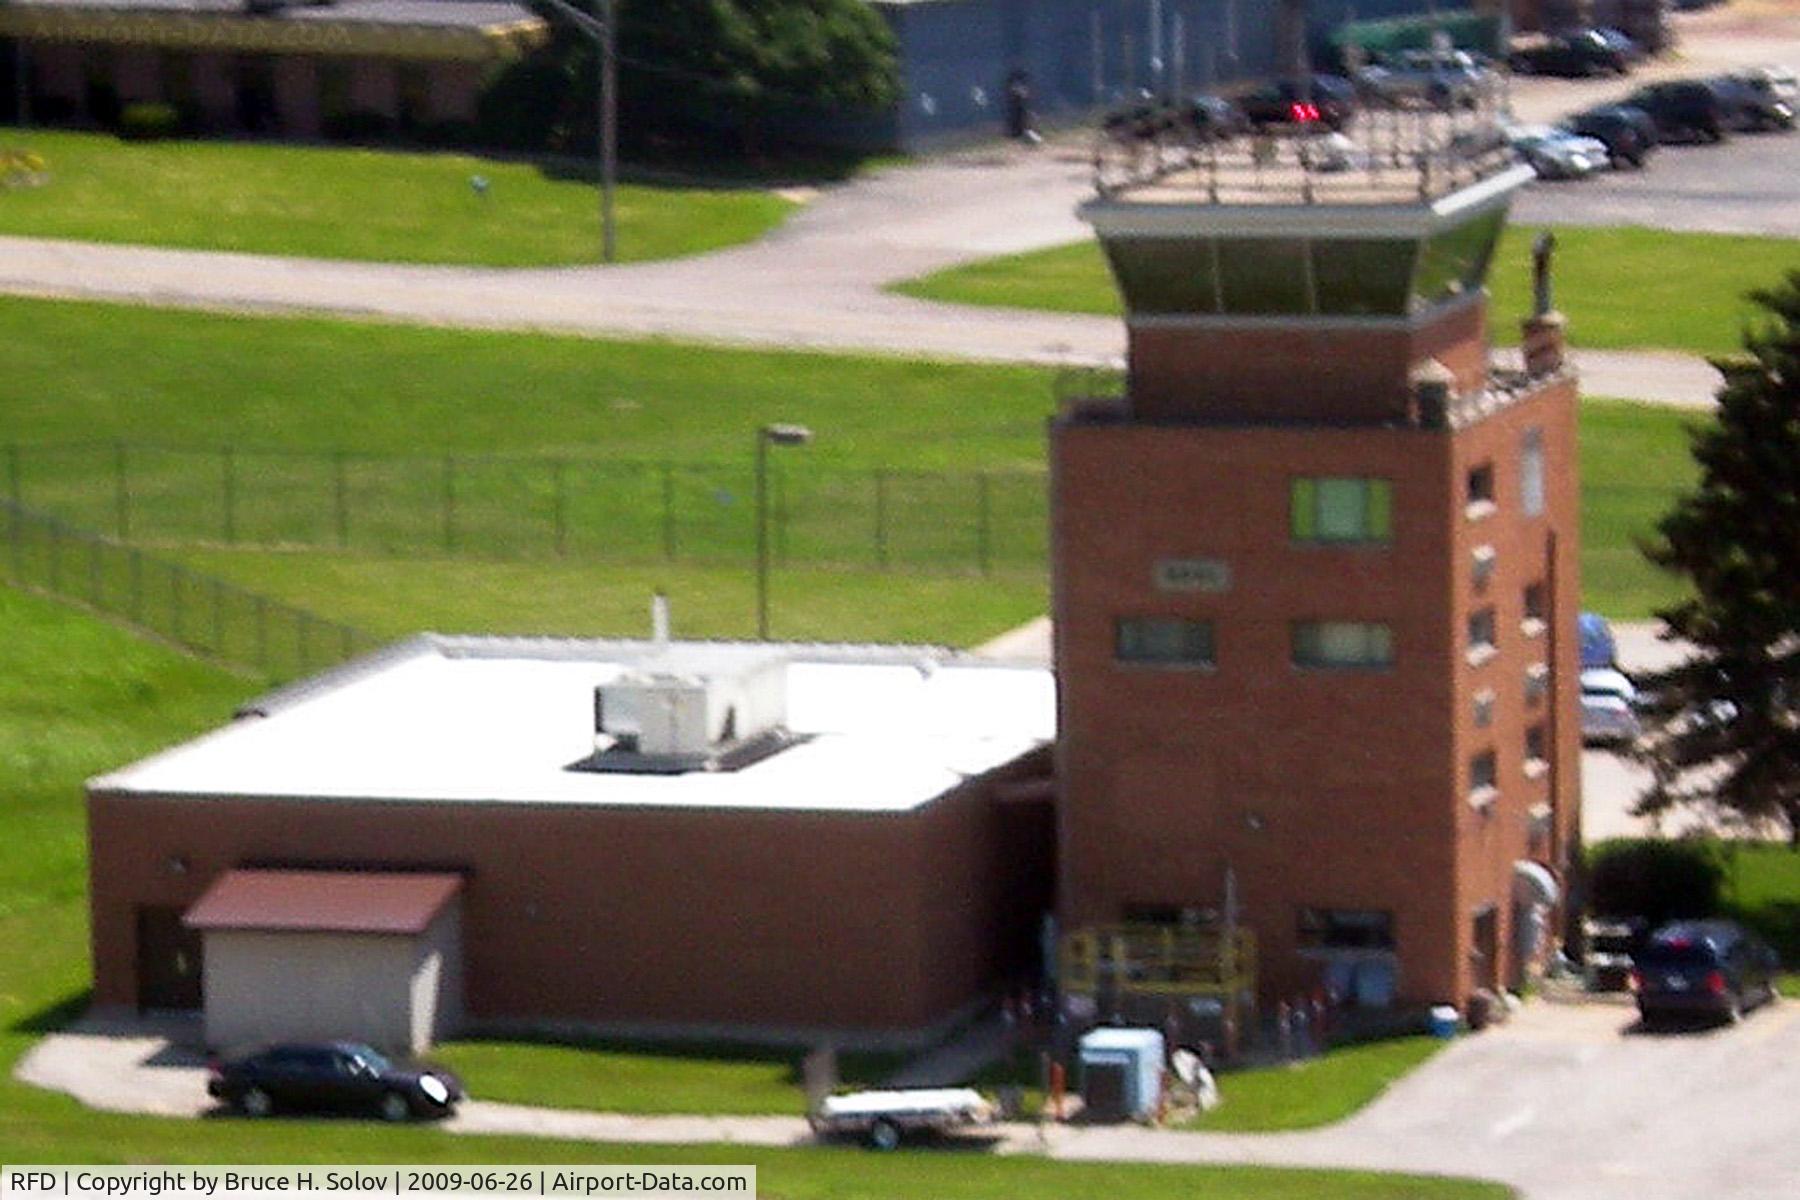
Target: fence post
x=301, y=621
x=121, y=492
x=881, y=531
x=449, y=504
x=137, y=586
x=228, y=492
x=560, y=488
x=340, y=485
x=781, y=515
x=218, y=618
x=984, y=534
x=668, y=510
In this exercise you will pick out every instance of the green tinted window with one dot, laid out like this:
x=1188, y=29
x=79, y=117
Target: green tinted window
x=1164, y=275
x=1262, y=276
x=1328, y=644
x=1341, y=510
x=1163, y=641
x=1455, y=261
x=1363, y=278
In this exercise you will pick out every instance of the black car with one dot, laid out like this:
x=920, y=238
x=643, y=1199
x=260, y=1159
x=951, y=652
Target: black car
x=1750, y=108
x=1704, y=968
x=1685, y=109
x=345, y=1077
x=1573, y=55
x=1325, y=100
x=1629, y=133
x=1213, y=119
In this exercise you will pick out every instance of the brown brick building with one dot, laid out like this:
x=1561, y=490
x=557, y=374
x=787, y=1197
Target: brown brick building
x=1315, y=581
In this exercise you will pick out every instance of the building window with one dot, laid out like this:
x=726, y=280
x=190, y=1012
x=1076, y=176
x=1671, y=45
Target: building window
x=1346, y=929
x=1480, y=490
x=1342, y=644
x=1485, y=560
x=1531, y=473
x=1537, y=682
x=1484, y=708
x=1537, y=752
x=1484, y=778
x=1163, y=641
x=1536, y=608
x=1481, y=635
x=1342, y=510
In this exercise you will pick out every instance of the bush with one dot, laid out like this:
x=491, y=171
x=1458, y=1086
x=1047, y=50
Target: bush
x=1656, y=880
x=148, y=122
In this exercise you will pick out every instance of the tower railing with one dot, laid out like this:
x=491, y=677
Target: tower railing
x=1390, y=152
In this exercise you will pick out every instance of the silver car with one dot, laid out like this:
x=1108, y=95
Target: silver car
x=1556, y=153
x=1608, y=707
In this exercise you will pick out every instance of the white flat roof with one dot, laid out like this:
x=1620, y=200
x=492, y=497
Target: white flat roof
x=498, y=720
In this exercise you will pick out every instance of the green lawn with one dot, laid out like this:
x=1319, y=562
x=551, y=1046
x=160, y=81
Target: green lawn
x=1762, y=889
x=395, y=597
x=381, y=205
x=1634, y=460
x=1314, y=1091
x=78, y=697
x=1621, y=288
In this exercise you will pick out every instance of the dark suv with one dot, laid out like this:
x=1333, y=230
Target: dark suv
x=1629, y=133
x=1685, y=108
x=1327, y=100
x=1573, y=54
x=1702, y=968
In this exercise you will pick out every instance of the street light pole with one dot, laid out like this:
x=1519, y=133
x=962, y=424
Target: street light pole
x=768, y=435
x=603, y=32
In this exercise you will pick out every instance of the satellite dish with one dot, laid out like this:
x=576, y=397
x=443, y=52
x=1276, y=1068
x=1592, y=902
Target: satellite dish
x=1187, y=1066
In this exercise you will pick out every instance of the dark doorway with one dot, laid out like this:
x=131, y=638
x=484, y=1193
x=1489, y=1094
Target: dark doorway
x=169, y=962
x=255, y=78
x=1486, y=950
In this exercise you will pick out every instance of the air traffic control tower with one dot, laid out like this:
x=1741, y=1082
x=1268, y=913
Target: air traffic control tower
x=1314, y=576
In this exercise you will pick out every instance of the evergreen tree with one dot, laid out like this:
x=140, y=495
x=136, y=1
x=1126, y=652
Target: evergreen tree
x=1724, y=726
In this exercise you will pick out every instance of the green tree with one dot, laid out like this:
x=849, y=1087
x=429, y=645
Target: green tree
x=701, y=71
x=1723, y=726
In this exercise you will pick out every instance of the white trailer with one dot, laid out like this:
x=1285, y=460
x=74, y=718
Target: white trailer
x=884, y=1117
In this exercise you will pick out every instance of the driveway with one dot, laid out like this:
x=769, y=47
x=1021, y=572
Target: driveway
x=1566, y=1102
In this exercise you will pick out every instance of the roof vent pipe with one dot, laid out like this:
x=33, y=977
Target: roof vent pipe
x=659, y=619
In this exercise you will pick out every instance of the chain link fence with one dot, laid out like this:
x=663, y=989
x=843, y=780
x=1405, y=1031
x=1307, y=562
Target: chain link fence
x=198, y=612
x=502, y=507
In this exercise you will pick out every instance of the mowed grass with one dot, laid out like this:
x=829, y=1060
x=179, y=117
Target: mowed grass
x=1634, y=463
x=1762, y=889
x=392, y=598
x=1313, y=1091
x=78, y=697
x=384, y=205
x=1622, y=288
x=78, y=372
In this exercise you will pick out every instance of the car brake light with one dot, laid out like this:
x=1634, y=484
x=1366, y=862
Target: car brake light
x=1715, y=983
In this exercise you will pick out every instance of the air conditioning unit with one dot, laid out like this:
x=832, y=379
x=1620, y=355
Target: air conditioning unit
x=688, y=715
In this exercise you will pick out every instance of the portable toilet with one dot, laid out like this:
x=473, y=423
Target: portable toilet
x=1121, y=1073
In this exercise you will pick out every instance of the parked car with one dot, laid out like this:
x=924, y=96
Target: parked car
x=1686, y=108
x=1437, y=79
x=332, y=1077
x=1556, y=153
x=1330, y=100
x=1707, y=968
x=1628, y=133
x=1778, y=82
x=1609, y=707
x=1214, y=119
x=1623, y=42
x=1594, y=637
x=1143, y=119
x=1748, y=107
x=1606, y=966
x=1573, y=54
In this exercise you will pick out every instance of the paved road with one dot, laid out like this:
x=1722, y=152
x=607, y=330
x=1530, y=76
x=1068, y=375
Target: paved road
x=817, y=281
x=1564, y=1103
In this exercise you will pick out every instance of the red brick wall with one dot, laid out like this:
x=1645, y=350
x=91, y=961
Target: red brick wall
x=627, y=915
x=1318, y=372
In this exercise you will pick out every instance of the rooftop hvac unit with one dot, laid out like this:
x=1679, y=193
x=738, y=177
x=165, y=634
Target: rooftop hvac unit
x=689, y=717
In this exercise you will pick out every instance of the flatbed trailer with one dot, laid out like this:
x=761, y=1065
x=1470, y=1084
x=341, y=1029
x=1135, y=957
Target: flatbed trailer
x=885, y=1117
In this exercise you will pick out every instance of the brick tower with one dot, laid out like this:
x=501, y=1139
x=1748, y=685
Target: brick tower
x=1314, y=572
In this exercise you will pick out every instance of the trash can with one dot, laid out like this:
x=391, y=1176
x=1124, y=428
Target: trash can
x=1444, y=1020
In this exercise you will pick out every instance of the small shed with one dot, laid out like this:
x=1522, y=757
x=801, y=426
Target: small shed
x=296, y=955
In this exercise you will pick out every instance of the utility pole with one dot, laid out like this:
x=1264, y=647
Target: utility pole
x=603, y=31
